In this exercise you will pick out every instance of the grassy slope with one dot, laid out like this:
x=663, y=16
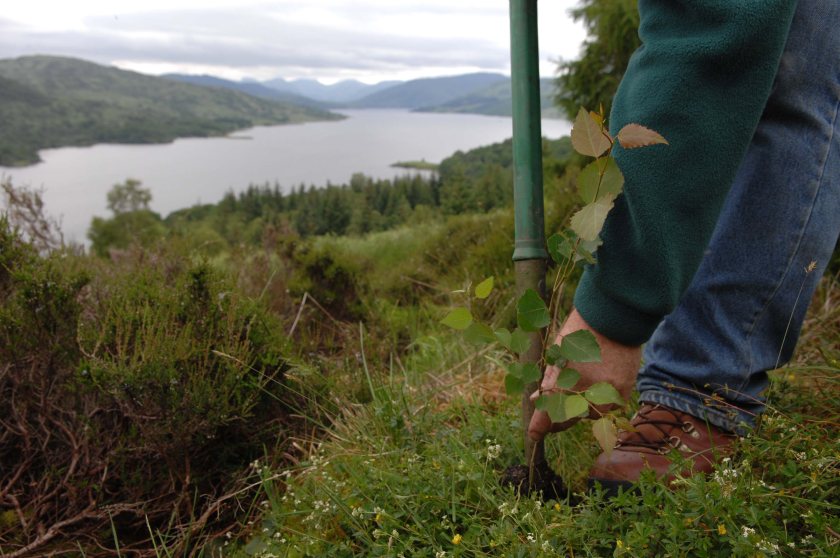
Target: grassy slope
x=73, y=102
x=414, y=471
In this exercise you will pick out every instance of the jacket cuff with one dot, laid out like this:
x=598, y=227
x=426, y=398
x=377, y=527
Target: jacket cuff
x=610, y=317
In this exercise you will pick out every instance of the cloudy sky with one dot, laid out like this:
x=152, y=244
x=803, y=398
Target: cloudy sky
x=330, y=40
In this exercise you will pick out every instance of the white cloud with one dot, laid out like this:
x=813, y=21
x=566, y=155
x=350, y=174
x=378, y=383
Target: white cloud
x=327, y=39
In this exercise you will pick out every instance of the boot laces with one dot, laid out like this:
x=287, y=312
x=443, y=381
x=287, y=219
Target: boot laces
x=654, y=433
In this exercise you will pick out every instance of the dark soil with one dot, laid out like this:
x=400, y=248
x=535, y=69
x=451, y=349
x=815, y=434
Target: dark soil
x=546, y=482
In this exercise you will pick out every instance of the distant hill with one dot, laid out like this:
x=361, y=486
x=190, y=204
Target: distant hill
x=255, y=89
x=496, y=99
x=48, y=101
x=341, y=93
x=429, y=92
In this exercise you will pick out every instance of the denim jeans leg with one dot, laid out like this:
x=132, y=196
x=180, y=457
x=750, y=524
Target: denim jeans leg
x=742, y=313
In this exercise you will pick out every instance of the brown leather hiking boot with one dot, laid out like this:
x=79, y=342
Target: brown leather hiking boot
x=660, y=430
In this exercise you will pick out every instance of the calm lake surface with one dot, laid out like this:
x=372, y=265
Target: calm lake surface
x=200, y=170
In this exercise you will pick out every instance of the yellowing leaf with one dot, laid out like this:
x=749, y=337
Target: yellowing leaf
x=483, y=289
x=632, y=136
x=576, y=406
x=587, y=136
x=460, y=318
x=603, y=393
x=588, y=222
x=598, y=179
x=606, y=434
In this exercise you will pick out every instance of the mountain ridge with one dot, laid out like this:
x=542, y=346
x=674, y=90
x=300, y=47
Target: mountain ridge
x=52, y=101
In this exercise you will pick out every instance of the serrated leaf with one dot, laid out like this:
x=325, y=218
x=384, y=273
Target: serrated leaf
x=530, y=373
x=514, y=385
x=585, y=255
x=520, y=341
x=603, y=393
x=580, y=346
x=559, y=248
x=478, y=334
x=553, y=404
x=576, y=406
x=598, y=179
x=460, y=318
x=588, y=222
x=531, y=312
x=589, y=181
x=552, y=354
x=568, y=378
x=503, y=337
x=483, y=289
x=613, y=181
x=587, y=136
x=606, y=434
x=632, y=136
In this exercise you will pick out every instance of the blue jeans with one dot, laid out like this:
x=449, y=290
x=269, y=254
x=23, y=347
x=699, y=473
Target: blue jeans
x=742, y=313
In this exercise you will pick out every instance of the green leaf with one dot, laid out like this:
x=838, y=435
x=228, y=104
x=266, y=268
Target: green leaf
x=580, y=346
x=568, y=378
x=479, y=334
x=603, y=393
x=553, y=404
x=589, y=181
x=530, y=373
x=636, y=135
x=503, y=336
x=613, y=181
x=606, y=434
x=513, y=385
x=559, y=248
x=531, y=312
x=483, y=289
x=589, y=221
x=552, y=354
x=587, y=135
x=576, y=406
x=460, y=318
x=520, y=341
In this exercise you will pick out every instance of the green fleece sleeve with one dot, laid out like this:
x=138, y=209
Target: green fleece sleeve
x=701, y=78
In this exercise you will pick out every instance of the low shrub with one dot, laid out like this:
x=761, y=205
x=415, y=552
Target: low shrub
x=134, y=395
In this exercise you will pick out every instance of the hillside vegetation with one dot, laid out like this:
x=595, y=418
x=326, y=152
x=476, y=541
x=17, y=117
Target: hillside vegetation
x=428, y=91
x=50, y=101
x=497, y=100
x=297, y=396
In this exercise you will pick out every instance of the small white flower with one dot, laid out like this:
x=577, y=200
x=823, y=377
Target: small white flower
x=494, y=451
x=531, y=538
x=440, y=554
x=747, y=531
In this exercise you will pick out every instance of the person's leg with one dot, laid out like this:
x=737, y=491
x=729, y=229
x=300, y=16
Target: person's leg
x=742, y=312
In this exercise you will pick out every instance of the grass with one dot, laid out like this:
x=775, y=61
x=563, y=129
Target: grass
x=414, y=471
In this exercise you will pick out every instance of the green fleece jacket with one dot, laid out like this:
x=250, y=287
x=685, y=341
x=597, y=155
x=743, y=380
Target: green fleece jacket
x=701, y=78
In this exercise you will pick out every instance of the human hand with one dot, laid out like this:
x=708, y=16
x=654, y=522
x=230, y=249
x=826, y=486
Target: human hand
x=619, y=366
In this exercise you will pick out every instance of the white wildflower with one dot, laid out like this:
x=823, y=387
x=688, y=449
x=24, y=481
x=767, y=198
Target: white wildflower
x=531, y=538
x=747, y=531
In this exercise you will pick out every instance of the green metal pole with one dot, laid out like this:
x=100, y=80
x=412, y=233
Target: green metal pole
x=529, y=253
